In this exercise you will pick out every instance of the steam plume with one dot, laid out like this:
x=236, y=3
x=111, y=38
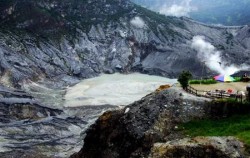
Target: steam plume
x=138, y=22
x=211, y=57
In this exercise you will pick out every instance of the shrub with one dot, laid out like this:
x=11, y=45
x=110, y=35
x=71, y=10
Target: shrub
x=237, y=79
x=184, y=78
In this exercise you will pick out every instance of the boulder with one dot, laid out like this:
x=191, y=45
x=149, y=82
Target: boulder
x=199, y=147
x=163, y=87
x=132, y=131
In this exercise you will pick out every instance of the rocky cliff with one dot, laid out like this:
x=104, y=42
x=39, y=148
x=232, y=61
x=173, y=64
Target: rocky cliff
x=150, y=128
x=48, y=38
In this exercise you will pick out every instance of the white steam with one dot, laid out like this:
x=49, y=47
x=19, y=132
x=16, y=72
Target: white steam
x=208, y=54
x=138, y=22
x=182, y=9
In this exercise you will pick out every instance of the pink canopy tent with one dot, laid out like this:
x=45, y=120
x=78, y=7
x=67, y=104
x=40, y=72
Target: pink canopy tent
x=224, y=78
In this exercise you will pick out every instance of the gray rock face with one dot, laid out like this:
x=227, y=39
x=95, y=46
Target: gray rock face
x=132, y=131
x=59, y=42
x=150, y=128
x=85, y=38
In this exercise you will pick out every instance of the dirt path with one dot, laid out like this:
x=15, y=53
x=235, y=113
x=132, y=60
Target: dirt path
x=235, y=86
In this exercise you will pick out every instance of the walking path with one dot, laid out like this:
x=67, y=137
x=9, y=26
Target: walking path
x=219, y=90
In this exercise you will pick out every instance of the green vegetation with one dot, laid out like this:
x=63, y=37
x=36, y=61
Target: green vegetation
x=237, y=126
x=208, y=81
x=228, y=101
x=237, y=79
x=184, y=78
x=236, y=106
x=211, y=81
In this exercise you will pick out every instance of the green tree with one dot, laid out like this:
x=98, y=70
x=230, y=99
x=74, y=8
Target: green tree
x=183, y=78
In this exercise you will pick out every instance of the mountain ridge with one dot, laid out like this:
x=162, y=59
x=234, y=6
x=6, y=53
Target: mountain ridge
x=225, y=12
x=115, y=37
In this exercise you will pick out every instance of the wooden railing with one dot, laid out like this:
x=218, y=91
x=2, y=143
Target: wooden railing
x=196, y=92
x=213, y=95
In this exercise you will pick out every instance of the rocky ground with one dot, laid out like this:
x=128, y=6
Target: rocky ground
x=199, y=147
x=30, y=128
x=150, y=128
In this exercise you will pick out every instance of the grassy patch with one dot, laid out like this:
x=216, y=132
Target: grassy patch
x=231, y=101
x=238, y=126
x=208, y=81
x=211, y=81
x=237, y=79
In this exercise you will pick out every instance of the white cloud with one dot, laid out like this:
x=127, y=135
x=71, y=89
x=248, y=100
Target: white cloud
x=182, y=9
x=208, y=54
x=138, y=22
